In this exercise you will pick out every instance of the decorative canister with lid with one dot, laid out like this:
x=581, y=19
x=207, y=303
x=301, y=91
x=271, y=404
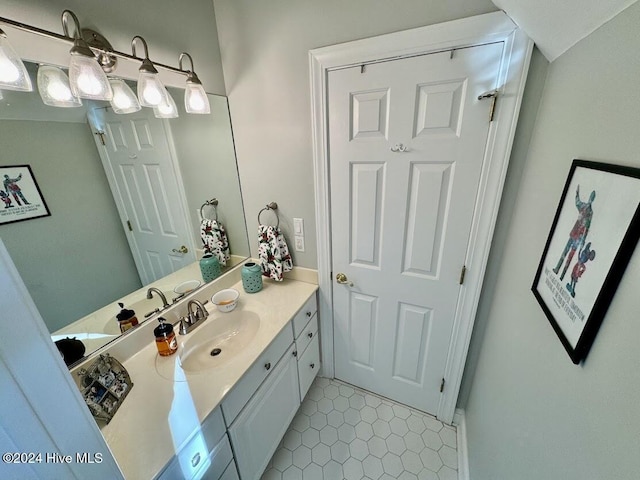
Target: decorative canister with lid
x=251, y=277
x=210, y=267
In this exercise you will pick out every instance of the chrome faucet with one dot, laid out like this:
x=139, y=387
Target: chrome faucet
x=193, y=319
x=200, y=313
x=153, y=290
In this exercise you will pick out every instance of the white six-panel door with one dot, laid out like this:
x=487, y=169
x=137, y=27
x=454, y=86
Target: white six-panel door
x=137, y=157
x=406, y=144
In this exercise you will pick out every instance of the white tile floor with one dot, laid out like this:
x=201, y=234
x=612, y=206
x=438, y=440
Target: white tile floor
x=341, y=432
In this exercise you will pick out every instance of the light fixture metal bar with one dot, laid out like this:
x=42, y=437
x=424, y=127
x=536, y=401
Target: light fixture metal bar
x=56, y=36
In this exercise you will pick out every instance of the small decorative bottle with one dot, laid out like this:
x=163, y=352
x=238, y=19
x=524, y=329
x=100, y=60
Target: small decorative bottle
x=251, y=277
x=209, y=266
x=165, y=338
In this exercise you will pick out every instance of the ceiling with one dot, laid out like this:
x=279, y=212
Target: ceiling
x=556, y=25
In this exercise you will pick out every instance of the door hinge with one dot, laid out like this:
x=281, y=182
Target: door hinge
x=493, y=95
x=442, y=385
x=463, y=272
x=129, y=225
x=101, y=136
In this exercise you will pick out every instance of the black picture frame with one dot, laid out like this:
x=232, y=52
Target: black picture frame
x=593, y=246
x=20, y=195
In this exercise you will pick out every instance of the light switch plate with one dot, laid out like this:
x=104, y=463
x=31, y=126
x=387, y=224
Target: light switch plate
x=299, y=243
x=298, y=226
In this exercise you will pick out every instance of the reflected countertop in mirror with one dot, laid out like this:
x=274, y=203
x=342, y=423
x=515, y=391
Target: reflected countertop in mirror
x=77, y=263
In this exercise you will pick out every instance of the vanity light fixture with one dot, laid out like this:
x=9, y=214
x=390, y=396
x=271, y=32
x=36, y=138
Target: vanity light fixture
x=86, y=76
x=195, y=98
x=13, y=74
x=92, y=57
x=151, y=91
x=124, y=100
x=167, y=109
x=54, y=88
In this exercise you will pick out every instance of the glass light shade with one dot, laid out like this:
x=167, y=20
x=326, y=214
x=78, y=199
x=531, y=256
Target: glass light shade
x=167, y=109
x=195, y=99
x=13, y=74
x=88, y=80
x=151, y=91
x=124, y=100
x=54, y=88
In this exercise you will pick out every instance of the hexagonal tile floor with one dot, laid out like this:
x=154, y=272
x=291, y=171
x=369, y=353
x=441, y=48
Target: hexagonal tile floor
x=343, y=433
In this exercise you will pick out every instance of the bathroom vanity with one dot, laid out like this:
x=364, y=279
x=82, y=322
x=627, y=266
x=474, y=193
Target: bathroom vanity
x=190, y=422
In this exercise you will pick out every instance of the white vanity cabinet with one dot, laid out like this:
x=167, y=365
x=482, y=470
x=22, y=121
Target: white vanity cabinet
x=262, y=404
x=257, y=430
x=305, y=328
x=205, y=455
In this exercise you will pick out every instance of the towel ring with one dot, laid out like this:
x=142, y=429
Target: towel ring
x=271, y=206
x=214, y=203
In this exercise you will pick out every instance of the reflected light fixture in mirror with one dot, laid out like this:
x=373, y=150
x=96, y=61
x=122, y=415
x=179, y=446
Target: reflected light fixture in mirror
x=124, y=100
x=167, y=109
x=13, y=74
x=151, y=91
x=86, y=76
x=54, y=88
x=195, y=98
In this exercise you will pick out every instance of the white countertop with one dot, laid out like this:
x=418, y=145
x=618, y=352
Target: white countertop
x=162, y=411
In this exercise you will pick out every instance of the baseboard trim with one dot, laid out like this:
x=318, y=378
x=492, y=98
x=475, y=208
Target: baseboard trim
x=460, y=422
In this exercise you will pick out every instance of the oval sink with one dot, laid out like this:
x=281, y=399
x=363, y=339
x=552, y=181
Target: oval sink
x=218, y=340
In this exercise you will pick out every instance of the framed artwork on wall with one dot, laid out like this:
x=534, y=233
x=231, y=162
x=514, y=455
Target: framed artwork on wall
x=594, y=233
x=20, y=196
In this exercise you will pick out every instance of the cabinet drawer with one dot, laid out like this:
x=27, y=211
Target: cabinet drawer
x=230, y=473
x=308, y=366
x=257, y=431
x=304, y=315
x=308, y=334
x=195, y=461
x=249, y=383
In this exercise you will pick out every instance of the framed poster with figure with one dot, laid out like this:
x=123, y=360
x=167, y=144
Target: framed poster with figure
x=20, y=197
x=594, y=233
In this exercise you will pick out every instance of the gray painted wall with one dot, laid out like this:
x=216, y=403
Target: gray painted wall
x=531, y=413
x=51, y=253
x=264, y=48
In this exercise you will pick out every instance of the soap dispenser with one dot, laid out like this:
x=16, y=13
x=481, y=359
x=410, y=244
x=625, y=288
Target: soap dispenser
x=165, y=338
x=126, y=318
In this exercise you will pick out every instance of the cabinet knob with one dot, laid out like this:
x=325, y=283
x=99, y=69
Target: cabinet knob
x=313, y=365
x=310, y=334
x=267, y=365
x=295, y=353
x=195, y=460
x=308, y=314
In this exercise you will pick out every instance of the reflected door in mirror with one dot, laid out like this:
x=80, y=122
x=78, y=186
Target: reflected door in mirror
x=143, y=176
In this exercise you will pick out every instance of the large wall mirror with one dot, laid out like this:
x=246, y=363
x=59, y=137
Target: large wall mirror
x=78, y=260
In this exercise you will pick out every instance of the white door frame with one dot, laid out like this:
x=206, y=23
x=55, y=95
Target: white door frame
x=482, y=29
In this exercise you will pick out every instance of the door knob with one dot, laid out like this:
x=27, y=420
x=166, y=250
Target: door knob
x=182, y=249
x=342, y=279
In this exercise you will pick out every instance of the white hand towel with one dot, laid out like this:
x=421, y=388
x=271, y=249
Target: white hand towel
x=273, y=252
x=214, y=238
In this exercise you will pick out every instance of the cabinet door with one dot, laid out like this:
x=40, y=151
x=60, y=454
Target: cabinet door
x=258, y=429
